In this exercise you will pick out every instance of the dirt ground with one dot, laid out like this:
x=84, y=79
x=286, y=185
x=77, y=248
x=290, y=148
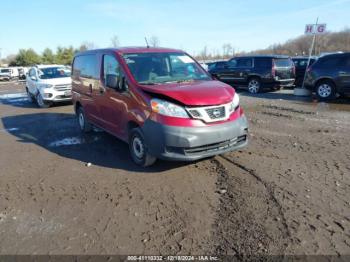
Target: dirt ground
x=288, y=192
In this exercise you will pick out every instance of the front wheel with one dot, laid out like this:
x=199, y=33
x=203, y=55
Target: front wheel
x=254, y=85
x=84, y=124
x=41, y=102
x=138, y=149
x=30, y=96
x=325, y=90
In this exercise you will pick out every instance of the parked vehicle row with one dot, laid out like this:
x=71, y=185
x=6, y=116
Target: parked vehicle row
x=165, y=105
x=10, y=73
x=327, y=75
x=256, y=72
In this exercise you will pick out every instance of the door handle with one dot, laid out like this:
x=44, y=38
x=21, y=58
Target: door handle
x=343, y=73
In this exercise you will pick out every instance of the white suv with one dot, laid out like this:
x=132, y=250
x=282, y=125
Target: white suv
x=46, y=84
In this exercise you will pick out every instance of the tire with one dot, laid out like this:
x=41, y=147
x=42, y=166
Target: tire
x=325, y=90
x=254, y=85
x=138, y=149
x=84, y=124
x=30, y=96
x=41, y=102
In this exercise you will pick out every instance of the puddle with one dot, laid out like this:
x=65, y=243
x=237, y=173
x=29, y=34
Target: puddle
x=11, y=96
x=68, y=141
x=14, y=98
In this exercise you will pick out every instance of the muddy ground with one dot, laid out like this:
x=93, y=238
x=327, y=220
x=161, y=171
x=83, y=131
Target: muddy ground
x=288, y=192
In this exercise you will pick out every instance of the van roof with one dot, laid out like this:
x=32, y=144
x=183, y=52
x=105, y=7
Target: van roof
x=134, y=49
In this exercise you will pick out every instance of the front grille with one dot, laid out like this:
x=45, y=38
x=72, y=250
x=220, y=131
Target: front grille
x=63, y=87
x=216, y=146
x=195, y=113
x=216, y=112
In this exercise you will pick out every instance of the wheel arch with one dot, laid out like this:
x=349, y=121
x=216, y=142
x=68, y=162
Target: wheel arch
x=77, y=105
x=325, y=79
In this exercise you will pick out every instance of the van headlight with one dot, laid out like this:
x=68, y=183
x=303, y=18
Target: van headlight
x=45, y=86
x=168, y=109
x=234, y=103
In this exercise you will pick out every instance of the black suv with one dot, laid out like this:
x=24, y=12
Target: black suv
x=257, y=72
x=329, y=75
x=300, y=68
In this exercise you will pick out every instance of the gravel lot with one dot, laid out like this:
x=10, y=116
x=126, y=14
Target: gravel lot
x=288, y=192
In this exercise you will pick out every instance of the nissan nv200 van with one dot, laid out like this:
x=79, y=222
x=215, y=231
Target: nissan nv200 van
x=160, y=101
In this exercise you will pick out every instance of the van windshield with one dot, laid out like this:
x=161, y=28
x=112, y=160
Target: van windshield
x=159, y=68
x=54, y=72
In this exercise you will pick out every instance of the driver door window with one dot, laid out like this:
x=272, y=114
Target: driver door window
x=110, y=67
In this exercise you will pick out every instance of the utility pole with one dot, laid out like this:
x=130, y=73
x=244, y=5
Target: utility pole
x=310, y=53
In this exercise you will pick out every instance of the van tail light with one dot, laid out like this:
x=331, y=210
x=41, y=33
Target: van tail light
x=308, y=69
x=293, y=69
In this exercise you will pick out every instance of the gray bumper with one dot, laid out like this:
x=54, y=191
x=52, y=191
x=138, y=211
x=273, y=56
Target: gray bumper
x=192, y=143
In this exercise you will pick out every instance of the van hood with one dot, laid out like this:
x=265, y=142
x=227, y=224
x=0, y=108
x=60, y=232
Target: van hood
x=197, y=93
x=57, y=81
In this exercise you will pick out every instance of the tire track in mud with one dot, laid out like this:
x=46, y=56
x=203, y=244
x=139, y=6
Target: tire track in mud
x=249, y=220
x=268, y=188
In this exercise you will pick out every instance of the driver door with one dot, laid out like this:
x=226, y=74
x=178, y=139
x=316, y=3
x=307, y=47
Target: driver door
x=113, y=102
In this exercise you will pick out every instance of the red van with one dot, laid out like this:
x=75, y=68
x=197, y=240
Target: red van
x=160, y=101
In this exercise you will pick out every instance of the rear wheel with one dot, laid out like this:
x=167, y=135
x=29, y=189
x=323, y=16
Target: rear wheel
x=84, y=124
x=138, y=149
x=41, y=102
x=254, y=85
x=325, y=90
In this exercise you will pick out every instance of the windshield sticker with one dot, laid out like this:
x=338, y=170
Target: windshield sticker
x=186, y=59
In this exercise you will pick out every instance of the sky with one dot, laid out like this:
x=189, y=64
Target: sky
x=186, y=24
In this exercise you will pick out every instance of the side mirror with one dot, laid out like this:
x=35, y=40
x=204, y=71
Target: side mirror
x=112, y=81
x=33, y=78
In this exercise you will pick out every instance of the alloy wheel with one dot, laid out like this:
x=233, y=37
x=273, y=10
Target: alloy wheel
x=324, y=90
x=253, y=86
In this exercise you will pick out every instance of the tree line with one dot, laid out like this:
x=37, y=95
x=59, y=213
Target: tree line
x=299, y=46
x=62, y=55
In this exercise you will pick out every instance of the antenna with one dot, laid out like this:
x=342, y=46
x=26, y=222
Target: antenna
x=146, y=42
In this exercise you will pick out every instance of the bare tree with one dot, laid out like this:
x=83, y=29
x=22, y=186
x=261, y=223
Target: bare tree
x=86, y=45
x=227, y=50
x=115, y=41
x=154, y=41
x=204, y=53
